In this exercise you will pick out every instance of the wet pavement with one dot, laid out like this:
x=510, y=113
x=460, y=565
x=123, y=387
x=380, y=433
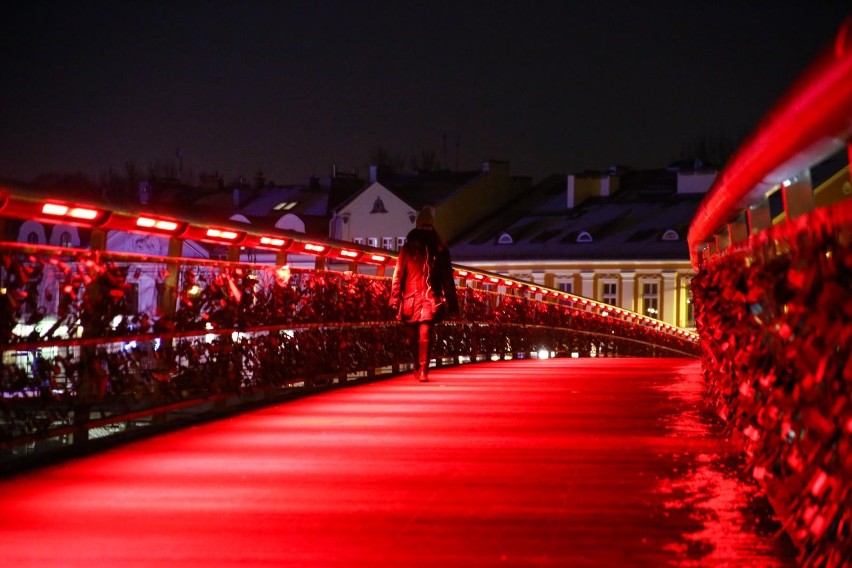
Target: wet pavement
x=560, y=462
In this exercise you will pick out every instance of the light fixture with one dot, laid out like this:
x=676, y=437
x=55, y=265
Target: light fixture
x=73, y=213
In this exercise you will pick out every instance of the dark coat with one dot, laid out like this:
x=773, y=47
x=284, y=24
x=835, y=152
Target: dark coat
x=422, y=281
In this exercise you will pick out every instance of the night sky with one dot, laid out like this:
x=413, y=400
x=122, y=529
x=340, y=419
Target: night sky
x=293, y=88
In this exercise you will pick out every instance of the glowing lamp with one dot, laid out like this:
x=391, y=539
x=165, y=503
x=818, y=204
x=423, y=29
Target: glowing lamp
x=494, y=280
x=73, y=213
x=274, y=242
x=314, y=248
x=479, y=276
x=378, y=258
x=223, y=234
x=157, y=224
x=352, y=254
x=462, y=273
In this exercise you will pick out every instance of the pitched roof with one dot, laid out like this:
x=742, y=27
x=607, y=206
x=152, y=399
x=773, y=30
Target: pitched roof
x=629, y=225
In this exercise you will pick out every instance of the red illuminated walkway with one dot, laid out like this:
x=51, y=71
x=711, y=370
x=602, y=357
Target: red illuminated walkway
x=563, y=462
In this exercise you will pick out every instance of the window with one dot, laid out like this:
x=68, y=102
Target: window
x=584, y=237
x=373, y=242
x=567, y=286
x=651, y=299
x=65, y=239
x=671, y=235
x=690, y=305
x=32, y=238
x=285, y=205
x=400, y=242
x=387, y=243
x=358, y=240
x=609, y=293
x=505, y=239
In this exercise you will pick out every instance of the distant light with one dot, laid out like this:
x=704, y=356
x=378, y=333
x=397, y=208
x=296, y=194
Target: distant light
x=59, y=210
x=272, y=241
x=222, y=234
x=543, y=353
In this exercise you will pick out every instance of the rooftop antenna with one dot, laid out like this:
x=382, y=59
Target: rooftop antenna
x=458, y=143
x=446, y=162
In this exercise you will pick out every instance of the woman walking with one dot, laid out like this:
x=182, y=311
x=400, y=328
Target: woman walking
x=423, y=291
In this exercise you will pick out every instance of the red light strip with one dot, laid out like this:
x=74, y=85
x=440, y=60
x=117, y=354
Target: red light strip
x=223, y=234
x=311, y=247
x=59, y=210
x=158, y=224
x=273, y=241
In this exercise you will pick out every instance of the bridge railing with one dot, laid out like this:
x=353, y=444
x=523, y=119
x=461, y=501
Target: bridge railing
x=99, y=345
x=774, y=306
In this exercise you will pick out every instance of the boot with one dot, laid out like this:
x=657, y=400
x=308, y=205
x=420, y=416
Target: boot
x=423, y=361
x=415, y=355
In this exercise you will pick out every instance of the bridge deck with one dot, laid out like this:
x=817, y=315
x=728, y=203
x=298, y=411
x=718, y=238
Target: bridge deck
x=561, y=462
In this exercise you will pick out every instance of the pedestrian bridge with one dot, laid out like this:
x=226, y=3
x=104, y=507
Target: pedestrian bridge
x=558, y=430
x=556, y=462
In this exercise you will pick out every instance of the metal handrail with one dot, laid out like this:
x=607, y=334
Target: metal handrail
x=812, y=121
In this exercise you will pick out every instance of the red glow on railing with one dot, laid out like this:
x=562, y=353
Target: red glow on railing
x=808, y=124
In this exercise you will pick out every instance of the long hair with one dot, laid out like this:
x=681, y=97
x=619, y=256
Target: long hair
x=423, y=241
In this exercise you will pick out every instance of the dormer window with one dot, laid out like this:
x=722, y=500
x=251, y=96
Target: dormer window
x=285, y=206
x=505, y=239
x=584, y=237
x=670, y=235
x=379, y=206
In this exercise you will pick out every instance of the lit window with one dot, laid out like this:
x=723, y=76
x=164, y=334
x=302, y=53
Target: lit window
x=65, y=239
x=400, y=242
x=387, y=243
x=373, y=241
x=358, y=240
x=651, y=299
x=285, y=205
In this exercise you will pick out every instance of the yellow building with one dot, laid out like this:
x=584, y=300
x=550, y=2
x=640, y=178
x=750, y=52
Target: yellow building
x=616, y=237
